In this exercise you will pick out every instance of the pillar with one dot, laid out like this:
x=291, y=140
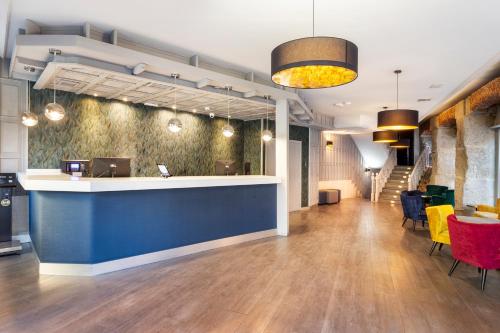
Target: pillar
x=282, y=166
x=443, y=154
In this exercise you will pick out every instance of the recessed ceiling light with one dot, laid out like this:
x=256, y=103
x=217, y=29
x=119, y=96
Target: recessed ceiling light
x=151, y=104
x=435, y=85
x=339, y=104
x=125, y=99
x=95, y=95
x=194, y=110
x=207, y=108
x=423, y=100
x=347, y=103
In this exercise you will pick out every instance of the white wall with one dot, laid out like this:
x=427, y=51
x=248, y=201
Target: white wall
x=374, y=154
x=341, y=167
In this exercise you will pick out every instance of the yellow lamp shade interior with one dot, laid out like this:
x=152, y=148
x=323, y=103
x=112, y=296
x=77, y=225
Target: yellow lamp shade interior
x=314, y=76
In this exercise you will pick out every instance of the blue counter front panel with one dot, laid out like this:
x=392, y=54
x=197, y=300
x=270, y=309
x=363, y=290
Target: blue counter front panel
x=75, y=227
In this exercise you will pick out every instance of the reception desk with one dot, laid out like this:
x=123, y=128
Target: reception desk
x=90, y=226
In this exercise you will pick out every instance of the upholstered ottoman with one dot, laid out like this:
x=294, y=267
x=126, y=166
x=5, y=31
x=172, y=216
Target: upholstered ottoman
x=329, y=196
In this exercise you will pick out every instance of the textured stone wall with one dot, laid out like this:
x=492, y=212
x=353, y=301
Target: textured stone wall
x=477, y=162
x=443, y=154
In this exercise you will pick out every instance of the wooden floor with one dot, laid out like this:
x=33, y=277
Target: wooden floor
x=345, y=268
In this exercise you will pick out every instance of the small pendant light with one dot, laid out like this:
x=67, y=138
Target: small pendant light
x=401, y=144
x=29, y=119
x=174, y=124
x=54, y=111
x=228, y=130
x=267, y=135
x=398, y=119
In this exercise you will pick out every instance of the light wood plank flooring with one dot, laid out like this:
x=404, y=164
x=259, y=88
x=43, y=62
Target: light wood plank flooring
x=345, y=268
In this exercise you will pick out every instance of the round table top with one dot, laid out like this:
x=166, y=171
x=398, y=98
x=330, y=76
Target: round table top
x=474, y=219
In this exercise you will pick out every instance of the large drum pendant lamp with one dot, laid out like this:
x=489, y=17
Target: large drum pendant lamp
x=385, y=136
x=398, y=119
x=314, y=62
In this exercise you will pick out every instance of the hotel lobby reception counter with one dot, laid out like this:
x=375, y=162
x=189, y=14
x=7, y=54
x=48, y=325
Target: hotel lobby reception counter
x=87, y=226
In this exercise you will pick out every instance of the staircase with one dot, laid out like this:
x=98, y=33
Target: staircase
x=397, y=182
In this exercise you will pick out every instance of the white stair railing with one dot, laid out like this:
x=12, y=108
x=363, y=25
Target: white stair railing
x=421, y=165
x=379, y=179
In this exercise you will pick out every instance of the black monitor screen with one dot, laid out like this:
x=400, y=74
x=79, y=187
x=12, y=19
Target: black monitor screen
x=110, y=167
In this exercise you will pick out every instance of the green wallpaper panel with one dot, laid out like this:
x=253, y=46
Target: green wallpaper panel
x=97, y=127
x=252, y=145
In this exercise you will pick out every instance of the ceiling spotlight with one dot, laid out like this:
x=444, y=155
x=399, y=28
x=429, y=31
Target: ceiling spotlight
x=125, y=99
x=207, y=108
x=151, y=104
x=194, y=110
x=211, y=115
x=347, y=103
x=95, y=95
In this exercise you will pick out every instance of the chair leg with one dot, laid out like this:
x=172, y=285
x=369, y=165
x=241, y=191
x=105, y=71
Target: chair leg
x=455, y=264
x=483, y=278
x=404, y=221
x=423, y=224
x=433, y=247
x=440, y=246
x=414, y=223
x=479, y=270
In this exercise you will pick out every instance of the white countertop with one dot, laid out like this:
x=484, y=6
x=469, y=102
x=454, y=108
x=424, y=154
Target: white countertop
x=34, y=180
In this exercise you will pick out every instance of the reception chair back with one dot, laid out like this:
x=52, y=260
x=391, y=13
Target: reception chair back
x=438, y=225
x=477, y=244
x=445, y=198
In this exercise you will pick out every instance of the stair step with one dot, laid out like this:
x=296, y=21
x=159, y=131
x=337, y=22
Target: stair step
x=392, y=201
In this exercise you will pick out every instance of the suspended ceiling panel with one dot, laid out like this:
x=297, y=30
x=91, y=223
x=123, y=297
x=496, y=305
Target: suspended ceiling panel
x=83, y=79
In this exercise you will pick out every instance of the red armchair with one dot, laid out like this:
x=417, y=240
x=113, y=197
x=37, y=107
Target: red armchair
x=477, y=244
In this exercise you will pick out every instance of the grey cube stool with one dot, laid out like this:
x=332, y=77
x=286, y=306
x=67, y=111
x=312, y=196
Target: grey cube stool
x=329, y=196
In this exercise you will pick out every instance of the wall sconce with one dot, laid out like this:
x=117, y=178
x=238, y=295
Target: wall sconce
x=329, y=145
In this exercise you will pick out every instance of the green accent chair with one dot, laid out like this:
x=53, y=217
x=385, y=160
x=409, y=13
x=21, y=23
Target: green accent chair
x=446, y=198
x=435, y=190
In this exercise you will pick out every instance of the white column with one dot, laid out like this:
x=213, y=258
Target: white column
x=282, y=165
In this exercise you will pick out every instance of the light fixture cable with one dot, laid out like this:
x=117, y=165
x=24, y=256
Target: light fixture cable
x=267, y=112
x=228, y=104
x=313, y=18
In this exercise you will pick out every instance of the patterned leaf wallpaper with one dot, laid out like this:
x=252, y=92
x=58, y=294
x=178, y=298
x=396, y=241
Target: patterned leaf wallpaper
x=97, y=127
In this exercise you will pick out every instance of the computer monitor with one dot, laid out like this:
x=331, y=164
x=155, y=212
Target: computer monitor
x=225, y=168
x=110, y=167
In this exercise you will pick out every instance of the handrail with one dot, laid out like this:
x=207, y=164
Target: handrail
x=379, y=179
x=421, y=165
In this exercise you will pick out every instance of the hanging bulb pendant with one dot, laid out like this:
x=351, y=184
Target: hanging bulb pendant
x=267, y=135
x=29, y=119
x=174, y=124
x=54, y=111
x=228, y=130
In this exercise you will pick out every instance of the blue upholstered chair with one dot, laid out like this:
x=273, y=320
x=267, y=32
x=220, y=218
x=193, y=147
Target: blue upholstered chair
x=413, y=207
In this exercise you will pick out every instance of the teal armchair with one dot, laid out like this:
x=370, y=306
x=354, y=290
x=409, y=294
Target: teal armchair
x=445, y=198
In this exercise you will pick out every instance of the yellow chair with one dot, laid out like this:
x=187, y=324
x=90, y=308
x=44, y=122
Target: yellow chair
x=438, y=225
x=488, y=211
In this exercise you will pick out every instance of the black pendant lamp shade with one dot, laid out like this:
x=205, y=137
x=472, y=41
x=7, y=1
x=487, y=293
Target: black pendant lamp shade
x=385, y=136
x=397, y=120
x=314, y=62
x=400, y=144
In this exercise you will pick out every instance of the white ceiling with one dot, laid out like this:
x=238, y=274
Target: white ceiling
x=433, y=42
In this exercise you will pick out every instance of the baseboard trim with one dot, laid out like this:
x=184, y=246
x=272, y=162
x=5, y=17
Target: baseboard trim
x=23, y=238
x=143, y=259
